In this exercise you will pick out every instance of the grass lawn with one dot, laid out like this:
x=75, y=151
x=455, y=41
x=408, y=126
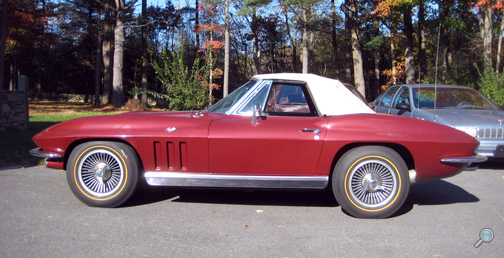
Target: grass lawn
x=15, y=146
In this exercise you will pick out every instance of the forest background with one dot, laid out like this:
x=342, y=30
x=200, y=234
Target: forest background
x=195, y=52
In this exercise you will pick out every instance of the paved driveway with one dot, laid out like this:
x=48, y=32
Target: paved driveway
x=40, y=217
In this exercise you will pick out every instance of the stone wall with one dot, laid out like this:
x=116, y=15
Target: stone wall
x=14, y=111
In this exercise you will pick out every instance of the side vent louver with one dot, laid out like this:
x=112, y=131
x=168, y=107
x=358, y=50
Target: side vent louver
x=170, y=158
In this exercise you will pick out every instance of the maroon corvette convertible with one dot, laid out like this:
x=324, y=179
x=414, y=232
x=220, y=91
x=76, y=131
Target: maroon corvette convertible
x=276, y=131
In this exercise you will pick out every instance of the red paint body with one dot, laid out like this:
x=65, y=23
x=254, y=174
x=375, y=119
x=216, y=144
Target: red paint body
x=232, y=144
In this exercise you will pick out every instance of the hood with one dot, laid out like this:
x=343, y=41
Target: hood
x=480, y=118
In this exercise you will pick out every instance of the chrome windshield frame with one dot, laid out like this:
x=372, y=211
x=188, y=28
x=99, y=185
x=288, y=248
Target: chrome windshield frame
x=237, y=109
x=245, y=98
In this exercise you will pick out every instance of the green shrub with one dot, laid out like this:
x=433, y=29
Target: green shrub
x=492, y=85
x=184, y=87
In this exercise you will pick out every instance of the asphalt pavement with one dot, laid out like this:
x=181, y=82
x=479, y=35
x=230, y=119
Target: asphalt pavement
x=40, y=217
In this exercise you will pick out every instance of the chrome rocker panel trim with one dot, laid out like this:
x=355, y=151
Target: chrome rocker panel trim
x=235, y=181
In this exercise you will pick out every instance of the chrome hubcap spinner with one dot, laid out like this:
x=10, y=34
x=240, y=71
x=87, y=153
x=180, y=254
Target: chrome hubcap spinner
x=102, y=172
x=372, y=183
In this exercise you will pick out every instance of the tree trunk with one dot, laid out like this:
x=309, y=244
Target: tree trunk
x=98, y=57
x=485, y=22
x=5, y=5
x=197, y=25
x=333, y=39
x=499, y=46
x=376, y=60
x=305, y=41
x=255, y=40
x=293, y=42
x=108, y=55
x=409, y=57
x=356, y=51
x=393, y=57
x=226, y=51
x=210, y=57
x=348, y=55
x=444, y=41
x=443, y=52
x=13, y=77
x=145, y=66
x=117, y=94
x=422, y=47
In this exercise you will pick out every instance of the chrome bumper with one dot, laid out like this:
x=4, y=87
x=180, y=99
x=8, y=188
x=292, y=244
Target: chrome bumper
x=467, y=160
x=37, y=152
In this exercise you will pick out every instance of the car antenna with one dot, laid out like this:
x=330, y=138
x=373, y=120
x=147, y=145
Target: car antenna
x=435, y=80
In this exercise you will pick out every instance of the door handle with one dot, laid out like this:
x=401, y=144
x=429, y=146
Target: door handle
x=310, y=130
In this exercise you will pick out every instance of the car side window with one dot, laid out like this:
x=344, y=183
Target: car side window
x=287, y=100
x=403, y=97
x=386, y=101
x=258, y=98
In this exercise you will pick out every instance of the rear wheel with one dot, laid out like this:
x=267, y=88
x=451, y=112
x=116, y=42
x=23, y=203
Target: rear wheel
x=371, y=182
x=103, y=174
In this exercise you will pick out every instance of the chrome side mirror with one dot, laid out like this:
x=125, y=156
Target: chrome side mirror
x=256, y=113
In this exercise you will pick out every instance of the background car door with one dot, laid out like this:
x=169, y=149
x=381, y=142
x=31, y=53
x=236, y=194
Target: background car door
x=386, y=101
x=286, y=140
x=402, y=98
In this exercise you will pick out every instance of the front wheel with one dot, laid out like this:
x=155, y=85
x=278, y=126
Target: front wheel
x=370, y=182
x=102, y=174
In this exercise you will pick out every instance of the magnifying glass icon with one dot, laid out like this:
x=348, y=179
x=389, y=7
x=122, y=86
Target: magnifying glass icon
x=486, y=236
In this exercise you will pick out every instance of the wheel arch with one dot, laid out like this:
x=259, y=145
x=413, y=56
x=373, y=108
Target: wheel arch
x=76, y=143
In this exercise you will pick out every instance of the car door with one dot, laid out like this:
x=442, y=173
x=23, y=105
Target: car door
x=385, y=103
x=286, y=139
x=401, y=104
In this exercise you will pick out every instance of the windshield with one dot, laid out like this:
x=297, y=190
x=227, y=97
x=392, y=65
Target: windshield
x=462, y=98
x=228, y=102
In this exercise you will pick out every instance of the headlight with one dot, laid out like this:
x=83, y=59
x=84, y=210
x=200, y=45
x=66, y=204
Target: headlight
x=472, y=131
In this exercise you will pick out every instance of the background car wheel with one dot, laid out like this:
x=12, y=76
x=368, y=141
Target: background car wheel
x=102, y=174
x=370, y=182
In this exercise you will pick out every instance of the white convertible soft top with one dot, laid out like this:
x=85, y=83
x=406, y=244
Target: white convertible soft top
x=331, y=96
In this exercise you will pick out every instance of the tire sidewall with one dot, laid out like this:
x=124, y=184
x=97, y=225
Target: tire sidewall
x=129, y=162
x=354, y=158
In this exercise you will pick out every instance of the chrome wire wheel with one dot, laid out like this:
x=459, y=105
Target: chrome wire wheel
x=372, y=183
x=100, y=172
x=103, y=173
